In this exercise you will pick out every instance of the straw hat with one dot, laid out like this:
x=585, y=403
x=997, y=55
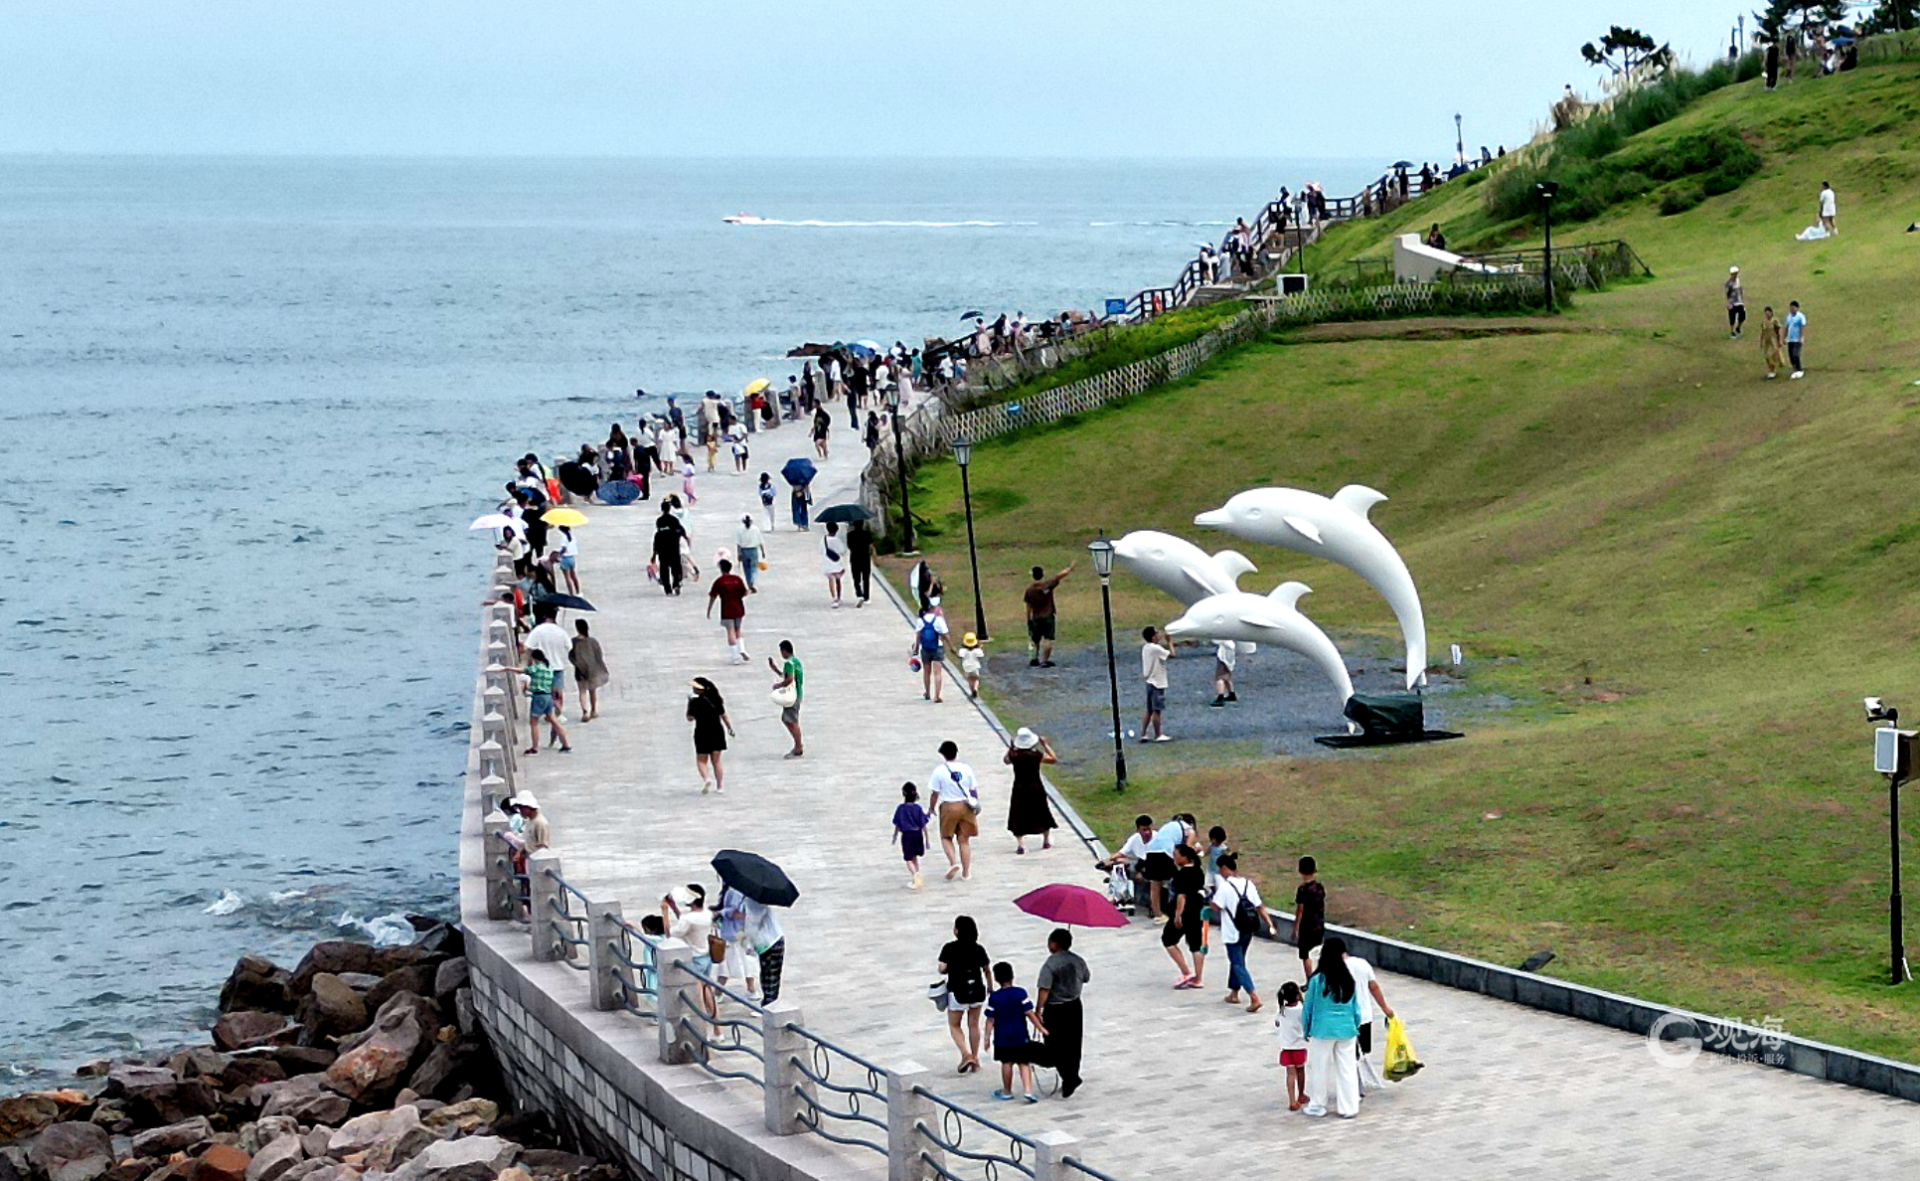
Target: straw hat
x=1025, y=739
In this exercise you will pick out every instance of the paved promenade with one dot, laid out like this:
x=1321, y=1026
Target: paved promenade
x=1176, y=1081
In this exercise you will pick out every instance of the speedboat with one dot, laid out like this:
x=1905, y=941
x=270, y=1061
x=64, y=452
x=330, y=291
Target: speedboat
x=744, y=219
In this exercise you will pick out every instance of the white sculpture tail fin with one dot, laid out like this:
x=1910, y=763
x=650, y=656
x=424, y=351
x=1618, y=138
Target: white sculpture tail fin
x=1288, y=593
x=1358, y=498
x=1304, y=528
x=1234, y=565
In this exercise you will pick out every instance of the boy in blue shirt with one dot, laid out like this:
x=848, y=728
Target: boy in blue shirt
x=1009, y=1012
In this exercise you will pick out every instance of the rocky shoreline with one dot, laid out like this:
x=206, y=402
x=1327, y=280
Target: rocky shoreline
x=362, y=1063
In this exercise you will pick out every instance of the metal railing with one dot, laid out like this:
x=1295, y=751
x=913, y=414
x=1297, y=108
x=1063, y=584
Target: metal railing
x=569, y=930
x=951, y=1141
x=861, y=1089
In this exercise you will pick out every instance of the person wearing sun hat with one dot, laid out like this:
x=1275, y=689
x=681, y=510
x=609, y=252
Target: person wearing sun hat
x=972, y=658
x=1028, y=810
x=1736, y=304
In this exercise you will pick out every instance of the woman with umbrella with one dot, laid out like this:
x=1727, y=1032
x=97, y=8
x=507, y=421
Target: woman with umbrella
x=707, y=710
x=1028, y=811
x=761, y=885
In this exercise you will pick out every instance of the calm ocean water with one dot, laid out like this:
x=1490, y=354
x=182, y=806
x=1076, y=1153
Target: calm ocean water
x=248, y=406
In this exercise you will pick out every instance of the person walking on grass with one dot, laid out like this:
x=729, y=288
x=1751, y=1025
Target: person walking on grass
x=1330, y=1018
x=1041, y=614
x=540, y=704
x=1309, y=913
x=1773, y=342
x=910, y=822
x=929, y=638
x=730, y=591
x=1153, y=671
x=1796, y=336
x=707, y=710
x=1183, y=917
x=747, y=544
x=1028, y=810
x=833, y=561
x=1829, y=208
x=1009, y=1013
x=1057, y=1004
x=965, y=965
x=589, y=670
x=1241, y=914
x=956, y=801
x=792, y=676
x=1736, y=305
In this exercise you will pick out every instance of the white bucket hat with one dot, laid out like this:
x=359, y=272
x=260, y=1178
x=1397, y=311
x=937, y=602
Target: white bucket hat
x=525, y=800
x=1025, y=739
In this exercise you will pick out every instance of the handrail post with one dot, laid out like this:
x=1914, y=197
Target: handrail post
x=670, y=983
x=906, y=1111
x=603, y=935
x=783, y=1046
x=495, y=763
x=543, y=894
x=1050, y=1150
x=493, y=853
x=494, y=728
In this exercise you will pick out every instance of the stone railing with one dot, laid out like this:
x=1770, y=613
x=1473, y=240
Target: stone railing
x=619, y=1039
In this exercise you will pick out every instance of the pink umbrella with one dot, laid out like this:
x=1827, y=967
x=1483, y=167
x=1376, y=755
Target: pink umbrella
x=1075, y=906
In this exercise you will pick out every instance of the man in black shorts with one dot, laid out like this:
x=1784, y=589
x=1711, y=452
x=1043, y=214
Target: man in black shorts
x=1309, y=913
x=1183, y=915
x=1039, y=598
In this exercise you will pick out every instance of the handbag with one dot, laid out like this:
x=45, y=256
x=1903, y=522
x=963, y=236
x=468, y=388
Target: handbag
x=716, y=948
x=785, y=696
x=937, y=993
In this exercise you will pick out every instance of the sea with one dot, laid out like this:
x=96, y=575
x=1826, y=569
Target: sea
x=248, y=406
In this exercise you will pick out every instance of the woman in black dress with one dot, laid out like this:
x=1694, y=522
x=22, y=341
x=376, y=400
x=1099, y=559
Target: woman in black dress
x=708, y=713
x=1028, y=811
x=964, y=963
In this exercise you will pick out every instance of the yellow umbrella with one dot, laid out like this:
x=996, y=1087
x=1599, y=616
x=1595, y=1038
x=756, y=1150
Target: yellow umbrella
x=756, y=385
x=564, y=516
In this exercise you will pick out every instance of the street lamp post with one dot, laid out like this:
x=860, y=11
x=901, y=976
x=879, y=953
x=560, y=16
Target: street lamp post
x=1102, y=551
x=900, y=462
x=1895, y=917
x=1892, y=757
x=1459, y=142
x=1547, y=190
x=963, y=455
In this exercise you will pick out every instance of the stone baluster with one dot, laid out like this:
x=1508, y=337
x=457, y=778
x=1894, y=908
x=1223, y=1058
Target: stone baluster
x=906, y=1112
x=543, y=900
x=1049, y=1157
x=495, y=763
x=674, y=1000
x=603, y=938
x=499, y=870
x=784, y=1082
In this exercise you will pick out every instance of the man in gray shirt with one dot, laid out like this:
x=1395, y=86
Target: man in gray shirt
x=1058, y=1007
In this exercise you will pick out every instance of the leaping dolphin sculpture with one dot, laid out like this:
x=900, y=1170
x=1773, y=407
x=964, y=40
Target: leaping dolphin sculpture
x=1266, y=619
x=1182, y=569
x=1335, y=528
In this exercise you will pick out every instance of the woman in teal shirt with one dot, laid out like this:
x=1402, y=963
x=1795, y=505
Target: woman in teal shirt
x=1330, y=1017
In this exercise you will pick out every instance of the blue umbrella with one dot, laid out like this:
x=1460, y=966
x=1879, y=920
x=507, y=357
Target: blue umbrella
x=798, y=472
x=862, y=350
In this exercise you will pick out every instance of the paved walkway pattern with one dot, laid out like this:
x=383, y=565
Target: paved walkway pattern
x=1176, y=1080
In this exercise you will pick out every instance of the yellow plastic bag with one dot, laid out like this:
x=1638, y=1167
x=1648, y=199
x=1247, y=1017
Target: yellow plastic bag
x=1401, y=1063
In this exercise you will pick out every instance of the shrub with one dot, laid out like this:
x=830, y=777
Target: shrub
x=1681, y=198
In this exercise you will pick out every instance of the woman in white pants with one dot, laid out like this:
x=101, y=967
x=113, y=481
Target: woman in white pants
x=1330, y=1017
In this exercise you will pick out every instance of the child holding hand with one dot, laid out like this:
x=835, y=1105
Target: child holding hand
x=910, y=822
x=1009, y=1012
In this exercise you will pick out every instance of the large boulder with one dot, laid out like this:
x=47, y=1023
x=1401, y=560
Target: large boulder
x=465, y=1116
x=124, y=1080
x=302, y=1059
x=250, y=1070
x=414, y=978
x=276, y=1158
x=475, y=1158
x=165, y=1141
x=376, y=1062
x=364, y=1131
x=256, y=983
x=23, y=1115
x=244, y=1029
x=265, y=1130
x=198, y=1061
x=222, y=1162
x=306, y=1098
x=450, y=977
x=71, y=1151
x=445, y=1067
x=330, y=1008
x=332, y=956
x=154, y=1095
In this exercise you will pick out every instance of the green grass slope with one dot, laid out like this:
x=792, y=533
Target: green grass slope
x=1684, y=575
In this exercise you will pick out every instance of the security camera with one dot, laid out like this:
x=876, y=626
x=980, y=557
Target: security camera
x=1879, y=711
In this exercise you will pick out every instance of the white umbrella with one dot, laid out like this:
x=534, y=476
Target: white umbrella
x=493, y=521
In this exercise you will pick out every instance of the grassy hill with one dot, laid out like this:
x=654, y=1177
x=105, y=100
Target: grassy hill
x=1683, y=575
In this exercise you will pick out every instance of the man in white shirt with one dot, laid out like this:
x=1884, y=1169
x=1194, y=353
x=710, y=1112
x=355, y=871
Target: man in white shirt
x=1829, y=207
x=1153, y=670
x=552, y=643
x=1366, y=990
x=1228, y=893
x=955, y=797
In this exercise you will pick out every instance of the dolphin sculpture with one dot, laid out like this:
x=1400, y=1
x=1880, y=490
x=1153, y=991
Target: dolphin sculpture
x=1335, y=528
x=1182, y=569
x=1266, y=619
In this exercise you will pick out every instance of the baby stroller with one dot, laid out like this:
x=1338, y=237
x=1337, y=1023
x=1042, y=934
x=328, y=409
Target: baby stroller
x=1120, y=889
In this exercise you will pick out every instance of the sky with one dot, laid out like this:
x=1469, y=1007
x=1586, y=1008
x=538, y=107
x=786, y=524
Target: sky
x=1102, y=78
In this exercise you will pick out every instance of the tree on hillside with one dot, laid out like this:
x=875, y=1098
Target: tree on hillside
x=1626, y=52
x=1892, y=16
x=1788, y=17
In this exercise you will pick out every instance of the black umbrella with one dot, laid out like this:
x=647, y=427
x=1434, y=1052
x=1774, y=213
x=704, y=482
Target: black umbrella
x=756, y=877
x=798, y=472
x=573, y=601
x=846, y=513
x=1403, y=164
x=970, y=315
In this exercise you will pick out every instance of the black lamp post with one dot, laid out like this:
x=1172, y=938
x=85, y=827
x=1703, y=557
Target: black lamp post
x=1459, y=142
x=1102, y=551
x=963, y=455
x=1547, y=190
x=900, y=462
x=1895, y=911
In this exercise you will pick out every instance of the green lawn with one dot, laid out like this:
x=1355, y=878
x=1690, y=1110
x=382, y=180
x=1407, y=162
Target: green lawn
x=1685, y=576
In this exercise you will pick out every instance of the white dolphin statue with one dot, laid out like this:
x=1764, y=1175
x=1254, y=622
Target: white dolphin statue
x=1266, y=619
x=1182, y=569
x=1335, y=528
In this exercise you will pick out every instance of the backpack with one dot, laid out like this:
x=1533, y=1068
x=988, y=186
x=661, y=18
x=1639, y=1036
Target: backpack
x=1246, y=916
x=929, y=635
